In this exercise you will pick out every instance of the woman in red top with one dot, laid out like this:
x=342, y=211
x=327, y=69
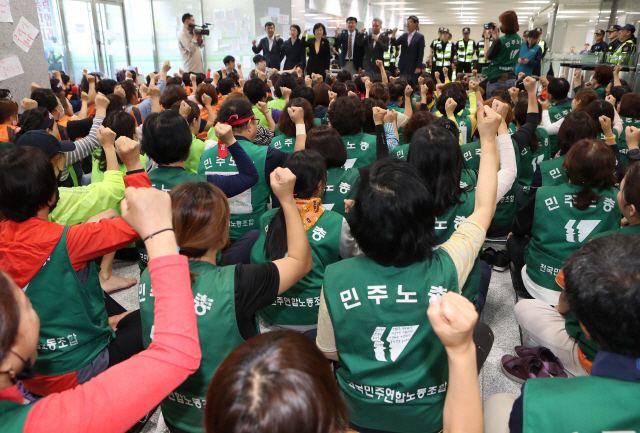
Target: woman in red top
x=114, y=400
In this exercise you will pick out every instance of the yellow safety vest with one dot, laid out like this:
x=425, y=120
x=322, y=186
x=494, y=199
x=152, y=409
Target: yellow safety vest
x=465, y=55
x=481, y=56
x=443, y=54
x=619, y=56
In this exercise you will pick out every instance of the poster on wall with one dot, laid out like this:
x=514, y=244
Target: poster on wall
x=5, y=12
x=45, y=18
x=10, y=67
x=25, y=34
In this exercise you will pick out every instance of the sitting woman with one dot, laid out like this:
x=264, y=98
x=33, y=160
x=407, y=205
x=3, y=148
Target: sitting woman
x=226, y=297
x=602, y=76
x=329, y=236
x=173, y=356
x=191, y=113
x=561, y=218
x=583, y=98
x=418, y=120
x=629, y=110
x=346, y=115
x=287, y=126
x=371, y=317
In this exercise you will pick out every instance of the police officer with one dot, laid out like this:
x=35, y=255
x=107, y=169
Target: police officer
x=626, y=47
x=541, y=43
x=389, y=57
x=614, y=42
x=481, y=52
x=443, y=53
x=600, y=46
x=465, y=50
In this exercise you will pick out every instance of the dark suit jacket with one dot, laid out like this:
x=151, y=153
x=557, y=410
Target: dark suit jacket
x=342, y=45
x=411, y=55
x=371, y=53
x=321, y=61
x=274, y=57
x=295, y=54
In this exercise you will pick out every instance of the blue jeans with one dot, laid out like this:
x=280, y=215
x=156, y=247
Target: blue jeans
x=491, y=86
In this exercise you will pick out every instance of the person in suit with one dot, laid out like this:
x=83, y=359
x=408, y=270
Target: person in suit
x=319, y=51
x=350, y=54
x=375, y=44
x=271, y=46
x=412, y=49
x=293, y=50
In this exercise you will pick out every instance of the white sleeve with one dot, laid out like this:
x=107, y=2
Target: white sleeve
x=348, y=245
x=552, y=128
x=508, y=167
x=617, y=123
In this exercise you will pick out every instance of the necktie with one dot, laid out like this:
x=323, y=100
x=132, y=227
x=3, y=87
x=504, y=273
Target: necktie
x=350, y=49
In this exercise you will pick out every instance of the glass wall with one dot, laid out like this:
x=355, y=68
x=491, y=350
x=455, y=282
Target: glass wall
x=51, y=31
x=80, y=37
x=140, y=33
x=167, y=16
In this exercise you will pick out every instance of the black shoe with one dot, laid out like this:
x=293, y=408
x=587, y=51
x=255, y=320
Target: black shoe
x=518, y=286
x=488, y=255
x=501, y=261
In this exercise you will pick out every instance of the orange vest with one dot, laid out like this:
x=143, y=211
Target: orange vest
x=137, y=117
x=8, y=133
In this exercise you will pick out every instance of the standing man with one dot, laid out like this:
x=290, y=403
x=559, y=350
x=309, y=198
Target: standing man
x=614, y=42
x=541, y=43
x=347, y=49
x=585, y=49
x=190, y=42
x=375, y=44
x=412, y=49
x=434, y=43
x=271, y=46
x=443, y=55
x=626, y=47
x=530, y=54
x=465, y=50
x=481, y=52
x=600, y=46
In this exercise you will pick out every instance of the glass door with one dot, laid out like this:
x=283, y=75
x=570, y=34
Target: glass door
x=80, y=37
x=113, y=37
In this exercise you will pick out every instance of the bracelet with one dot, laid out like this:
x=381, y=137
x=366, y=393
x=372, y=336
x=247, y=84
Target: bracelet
x=613, y=137
x=300, y=129
x=158, y=232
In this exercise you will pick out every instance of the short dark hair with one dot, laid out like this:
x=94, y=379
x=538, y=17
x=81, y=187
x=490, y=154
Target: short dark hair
x=321, y=91
x=600, y=108
x=379, y=91
x=558, y=88
x=185, y=17
x=520, y=111
x=269, y=23
x=414, y=19
x=326, y=140
x=172, y=94
x=193, y=114
x=369, y=125
x=7, y=109
x=630, y=105
x=619, y=91
x=226, y=85
x=297, y=27
x=27, y=182
x=45, y=98
x=228, y=59
x=346, y=115
x=238, y=106
x=509, y=21
x=305, y=92
x=31, y=120
x=576, y=126
x=317, y=26
x=106, y=86
x=130, y=90
x=352, y=19
x=258, y=58
x=285, y=80
x=533, y=34
x=123, y=124
x=447, y=124
x=343, y=76
x=419, y=120
x=255, y=89
x=392, y=219
x=166, y=137
x=603, y=290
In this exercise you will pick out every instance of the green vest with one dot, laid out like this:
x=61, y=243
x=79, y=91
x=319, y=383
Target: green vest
x=443, y=53
x=361, y=149
x=465, y=54
x=529, y=161
x=299, y=305
x=465, y=126
x=622, y=141
x=559, y=229
x=214, y=299
x=342, y=183
x=195, y=153
x=507, y=206
x=13, y=415
x=471, y=154
x=393, y=369
x=69, y=341
x=507, y=59
x=248, y=206
x=284, y=143
x=400, y=152
x=481, y=53
x=278, y=104
x=552, y=172
x=557, y=112
x=587, y=404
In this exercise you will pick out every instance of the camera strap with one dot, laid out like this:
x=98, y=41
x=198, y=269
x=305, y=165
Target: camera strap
x=233, y=120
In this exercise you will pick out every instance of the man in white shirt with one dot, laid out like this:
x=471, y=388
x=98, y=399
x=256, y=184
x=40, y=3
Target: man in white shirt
x=271, y=46
x=375, y=45
x=350, y=54
x=190, y=44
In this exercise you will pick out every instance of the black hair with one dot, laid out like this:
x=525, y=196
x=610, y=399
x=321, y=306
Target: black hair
x=392, y=219
x=319, y=25
x=327, y=141
x=258, y=58
x=269, y=23
x=228, y=59
x=31, y=120
x=297, y=27
x=255, y=89
x=45, y=98
x=346, y=115
x=352, y=19
x=343, y=76
x=520, y=115
x=456, y=96
x=106, y=86
x=602, y=285
x=186, y=17
x=502, y=93
x=618, y=91
x=447, y=124
x=171, y=94
x=396, y=91
x=237, y=106
x=304, y=92
x=436, y=154
x=310, y=170
x=123, y=124
x=558, y=88
x=130, y=91
x=27, y=182
x=285, y=80
x=166, y=137
x=599, y=108
x=226, y=85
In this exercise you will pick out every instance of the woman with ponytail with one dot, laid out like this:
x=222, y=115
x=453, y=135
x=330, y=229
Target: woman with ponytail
x=226, y=298
x=329, y=236
x=562, y=218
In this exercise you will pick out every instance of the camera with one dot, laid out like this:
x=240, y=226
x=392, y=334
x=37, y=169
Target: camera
x=199, y=30
x=490, y=26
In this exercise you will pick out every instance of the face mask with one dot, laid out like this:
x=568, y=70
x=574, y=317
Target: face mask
x=24, y=374
x=53, y=206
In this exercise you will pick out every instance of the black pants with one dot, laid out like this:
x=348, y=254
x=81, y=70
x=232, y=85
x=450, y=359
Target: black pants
x=465, y=67
x=516, y=246
x=483, y=288
x=480, y=67
x=128, y=339
x=439, y=69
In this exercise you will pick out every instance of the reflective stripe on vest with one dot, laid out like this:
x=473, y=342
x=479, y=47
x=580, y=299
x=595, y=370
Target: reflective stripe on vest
x=465, y=55
x=443, y=55
x=481, y=58
x=618, y=56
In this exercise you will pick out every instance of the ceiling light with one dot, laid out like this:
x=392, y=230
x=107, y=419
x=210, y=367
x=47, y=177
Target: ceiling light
x=466, y=9
x=462, y=3
x=534, y=2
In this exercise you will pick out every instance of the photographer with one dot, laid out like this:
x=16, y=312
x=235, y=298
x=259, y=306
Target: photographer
x=503, y=53
x=190, y=41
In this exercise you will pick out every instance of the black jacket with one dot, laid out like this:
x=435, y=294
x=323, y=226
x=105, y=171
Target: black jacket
x=321, y=61
x=295, y=54
x=342, y=45
x=274, y=57
x=371, y=53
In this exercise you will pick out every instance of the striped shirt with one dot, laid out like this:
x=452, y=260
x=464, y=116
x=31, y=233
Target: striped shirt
x=84, y=147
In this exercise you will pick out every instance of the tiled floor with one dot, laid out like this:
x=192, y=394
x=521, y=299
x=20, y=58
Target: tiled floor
x=498, y=314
